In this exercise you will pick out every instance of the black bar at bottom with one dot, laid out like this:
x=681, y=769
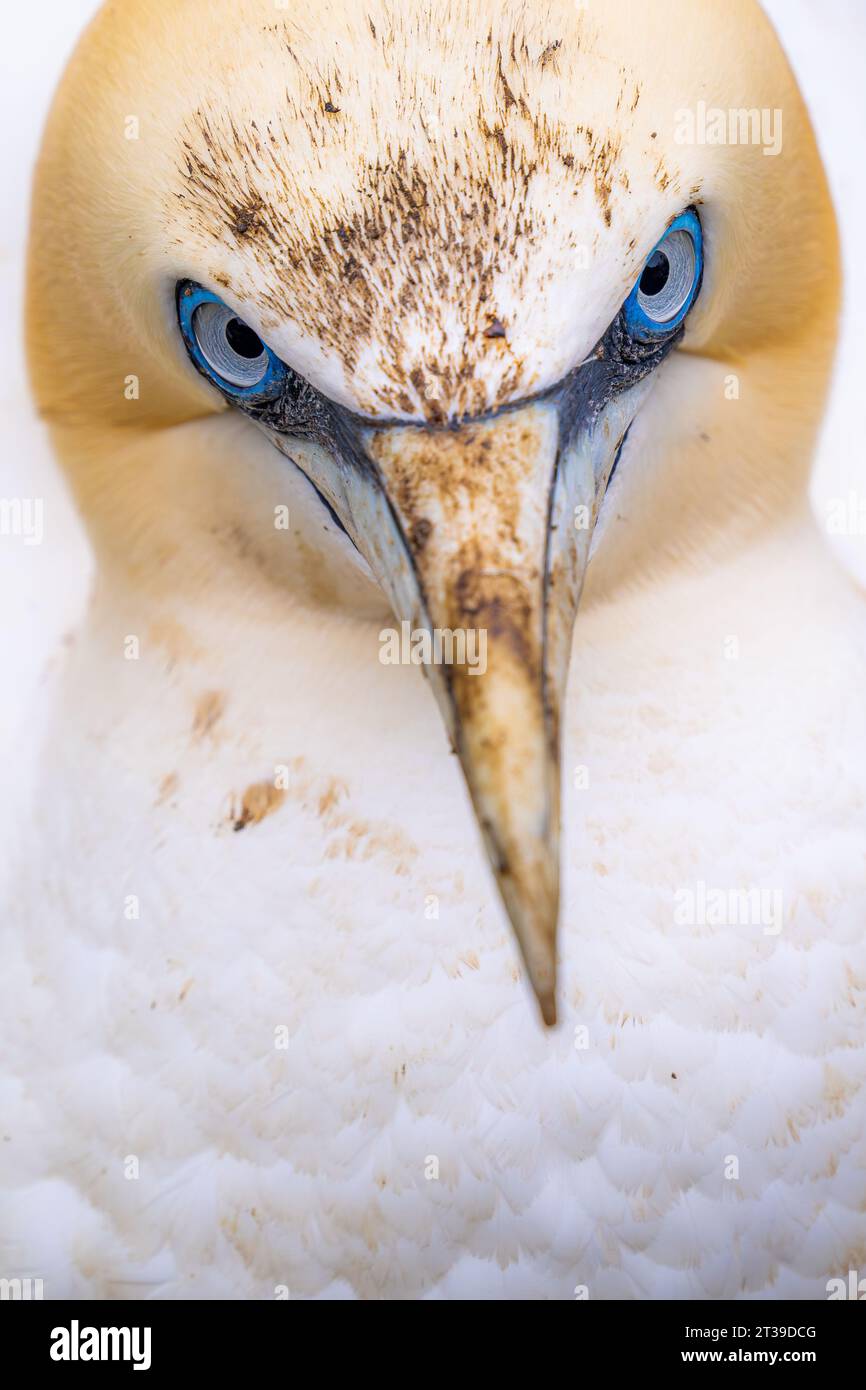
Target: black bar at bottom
x=159, y=1338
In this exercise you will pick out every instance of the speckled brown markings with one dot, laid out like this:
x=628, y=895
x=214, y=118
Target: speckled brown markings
x=416, y=222
x=601, y=164
x=548, y=57
x=662, y=177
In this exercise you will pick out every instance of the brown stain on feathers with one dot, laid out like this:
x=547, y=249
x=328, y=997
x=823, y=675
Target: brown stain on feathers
x=259, y=800
x=360, y=221
x=208, y=712
x=413, y=235
x=174, y=639
x=347, y=835
x=167, y=789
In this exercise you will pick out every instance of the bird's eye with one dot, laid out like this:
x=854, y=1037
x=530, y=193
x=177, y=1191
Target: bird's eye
x=669, y=282
x=223, y=347
x=228, y=345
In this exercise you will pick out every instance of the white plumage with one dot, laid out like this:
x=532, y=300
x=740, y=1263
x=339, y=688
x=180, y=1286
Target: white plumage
x=286, y=1034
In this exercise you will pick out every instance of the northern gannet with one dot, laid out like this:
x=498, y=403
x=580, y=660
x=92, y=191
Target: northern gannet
x=439, y=296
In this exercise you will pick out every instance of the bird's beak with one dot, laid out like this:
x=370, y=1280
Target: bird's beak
x=472, y=509
x=479, y=534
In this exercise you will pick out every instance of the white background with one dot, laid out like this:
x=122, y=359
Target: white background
x=42, y=588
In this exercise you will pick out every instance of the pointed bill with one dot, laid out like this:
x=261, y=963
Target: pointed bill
x=479, y=534
x=473, y=504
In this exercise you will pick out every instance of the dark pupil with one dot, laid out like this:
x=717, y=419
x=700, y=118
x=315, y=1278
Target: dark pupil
x=655, y=274
x=242, y=339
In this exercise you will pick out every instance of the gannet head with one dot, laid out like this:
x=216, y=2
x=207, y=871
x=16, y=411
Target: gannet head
x=456, y=262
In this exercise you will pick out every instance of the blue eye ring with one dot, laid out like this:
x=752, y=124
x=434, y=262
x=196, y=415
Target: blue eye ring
x=681, y=251
x=192, y=303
